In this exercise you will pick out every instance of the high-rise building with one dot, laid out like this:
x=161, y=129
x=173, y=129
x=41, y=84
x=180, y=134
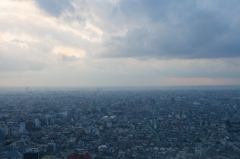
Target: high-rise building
x=37, y=123
x=69, y=116
x=43, y=122
x=1, y=136
x=22, y=127
x=8, y=131
x=155, y=125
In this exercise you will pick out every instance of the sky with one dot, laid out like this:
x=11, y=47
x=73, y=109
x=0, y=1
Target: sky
x=119, y=42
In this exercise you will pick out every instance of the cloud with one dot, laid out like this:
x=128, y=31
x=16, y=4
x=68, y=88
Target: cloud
x=176, y=30
x=135, y=43
x=19, y=63
x=119, y=42
x=18, y=55
x=156, y=9
x=55, y=7
x=66, y=58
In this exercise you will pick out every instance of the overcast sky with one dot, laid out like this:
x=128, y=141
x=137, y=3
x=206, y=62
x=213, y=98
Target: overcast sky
x=119, y=42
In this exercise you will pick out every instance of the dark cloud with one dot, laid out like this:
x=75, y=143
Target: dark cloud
x=135, y=43
x=55, y=7
x=156, y=10
x=185, y=30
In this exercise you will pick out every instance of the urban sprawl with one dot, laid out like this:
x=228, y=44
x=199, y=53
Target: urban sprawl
x=120, y=124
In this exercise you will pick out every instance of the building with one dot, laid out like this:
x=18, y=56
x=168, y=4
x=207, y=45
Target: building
x=69, y=116
x=233, y=127
x=1, y=136
x=13, y=155
x=1, y=140
x=155, y=125
x=173, y=99
x=30, y=126
x=22, y=127
x=32, y=153
x=51, y=148
x=79, y=156
x=37, y=123
x=8, y=131
x=91, y=103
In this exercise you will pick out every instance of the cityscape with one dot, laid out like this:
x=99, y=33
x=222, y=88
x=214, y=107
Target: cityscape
x=119, y=79
x=134, y=123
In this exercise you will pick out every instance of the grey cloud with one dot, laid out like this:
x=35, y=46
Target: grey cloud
x=185, y=30
x=17, y=41
x=66, y=58
x=55, y=7
x=156, y=10
x=135, y=43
